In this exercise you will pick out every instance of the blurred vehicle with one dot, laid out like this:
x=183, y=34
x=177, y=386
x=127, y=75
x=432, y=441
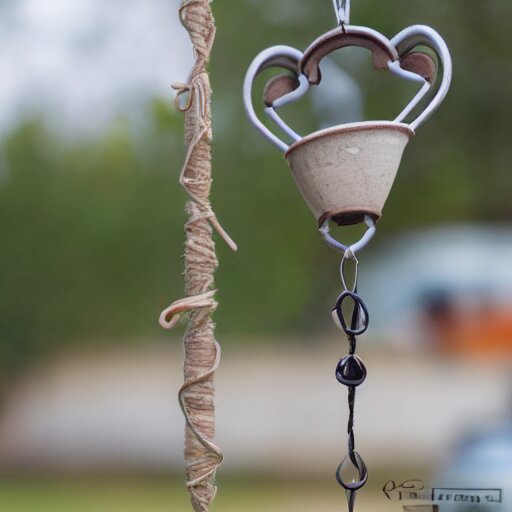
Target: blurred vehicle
x=447, y=289
x=483, y=460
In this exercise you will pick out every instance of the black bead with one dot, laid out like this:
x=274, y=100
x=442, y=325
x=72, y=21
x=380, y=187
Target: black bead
x=351, y=371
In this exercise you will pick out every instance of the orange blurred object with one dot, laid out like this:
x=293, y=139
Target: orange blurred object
x=471, y=331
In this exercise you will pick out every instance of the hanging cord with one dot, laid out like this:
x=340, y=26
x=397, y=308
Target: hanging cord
x=351, y=372
x=202, y=352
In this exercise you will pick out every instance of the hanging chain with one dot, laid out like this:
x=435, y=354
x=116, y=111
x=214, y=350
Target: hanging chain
x=351, y=372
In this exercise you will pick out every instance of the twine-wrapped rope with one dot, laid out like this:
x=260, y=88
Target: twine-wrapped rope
x=202, y=352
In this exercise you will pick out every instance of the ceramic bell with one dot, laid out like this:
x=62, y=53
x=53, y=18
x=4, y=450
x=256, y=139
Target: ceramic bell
x=345, y=173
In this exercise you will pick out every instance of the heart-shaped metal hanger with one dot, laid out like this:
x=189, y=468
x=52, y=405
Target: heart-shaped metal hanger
x=397, y=55
x=346, y=172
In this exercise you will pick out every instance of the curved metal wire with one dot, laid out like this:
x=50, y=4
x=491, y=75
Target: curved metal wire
x=417, y=35
x=266, y=59
x=349, y=251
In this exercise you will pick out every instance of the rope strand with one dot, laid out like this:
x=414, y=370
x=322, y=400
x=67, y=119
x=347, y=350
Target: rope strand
x=202, y=351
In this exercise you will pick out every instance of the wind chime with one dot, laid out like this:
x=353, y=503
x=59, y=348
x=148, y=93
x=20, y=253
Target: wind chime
x=345, y=173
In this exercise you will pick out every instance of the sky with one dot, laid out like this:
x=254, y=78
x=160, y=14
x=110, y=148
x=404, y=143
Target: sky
x=80, y=63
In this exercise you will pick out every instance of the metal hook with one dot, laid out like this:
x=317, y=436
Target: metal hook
x=343, y=268
x=342, y=9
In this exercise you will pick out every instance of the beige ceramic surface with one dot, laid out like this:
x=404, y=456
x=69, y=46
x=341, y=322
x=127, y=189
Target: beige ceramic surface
x=348, y=171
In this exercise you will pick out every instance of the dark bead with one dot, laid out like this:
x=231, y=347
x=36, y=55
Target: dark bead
x=351, y=371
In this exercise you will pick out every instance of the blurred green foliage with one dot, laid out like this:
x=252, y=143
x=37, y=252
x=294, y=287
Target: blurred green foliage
x=92, y=230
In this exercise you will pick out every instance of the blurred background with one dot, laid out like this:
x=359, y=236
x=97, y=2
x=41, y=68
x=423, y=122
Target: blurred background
x=91, y=222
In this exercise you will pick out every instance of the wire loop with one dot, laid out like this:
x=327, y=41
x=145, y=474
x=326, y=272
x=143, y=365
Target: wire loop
x=349, y=251
x=361, y=469
x=360, y=315
x=342, y=9
x=343, y=273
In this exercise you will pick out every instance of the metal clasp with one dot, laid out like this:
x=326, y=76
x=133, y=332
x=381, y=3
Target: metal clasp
x=342, y=9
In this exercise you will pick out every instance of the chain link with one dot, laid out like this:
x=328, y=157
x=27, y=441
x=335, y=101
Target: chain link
x=351, y=372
